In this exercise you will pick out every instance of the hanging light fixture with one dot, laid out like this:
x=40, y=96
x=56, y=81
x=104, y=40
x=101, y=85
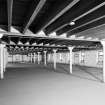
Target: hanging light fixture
x=72, y=23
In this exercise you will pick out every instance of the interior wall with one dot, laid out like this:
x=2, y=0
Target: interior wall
x=90, y=58
x=84, y=58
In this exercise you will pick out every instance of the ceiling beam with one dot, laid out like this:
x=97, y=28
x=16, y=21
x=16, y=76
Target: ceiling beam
x=36, y=11
x=90, y=11
x=36, y=37
x=29, y=40
x=70, y=5
x=4, y=28
x=81, y=16
x=38, y=46
x=10, y=6
x=91, y=29
x=94, y=20
x=60, y=27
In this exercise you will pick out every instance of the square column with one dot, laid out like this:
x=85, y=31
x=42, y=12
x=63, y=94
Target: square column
x=38, y=57
x=12, y=58
x=103, y=44
x=5, y=57
x=34, y=57
x=70, y=57
x=31, y=56
x=49, y=57
x=2, y=61
x=22, y=58
x=27, y=58
x=80, y=57
x=45, y=58
x=54, y=58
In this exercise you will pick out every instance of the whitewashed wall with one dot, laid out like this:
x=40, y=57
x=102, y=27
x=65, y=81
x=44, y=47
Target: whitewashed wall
x=90, y=58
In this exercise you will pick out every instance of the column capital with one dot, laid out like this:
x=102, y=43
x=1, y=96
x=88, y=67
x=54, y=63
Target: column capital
x=2, y=45
x=45, y=51
x=54, y=50
x=102, y=42
x=34, y=53
x=39, y=52
x=70, y=47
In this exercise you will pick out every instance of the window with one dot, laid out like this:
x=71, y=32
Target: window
x=76, y=57
x=100, y=58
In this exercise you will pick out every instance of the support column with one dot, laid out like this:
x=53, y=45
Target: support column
x=80, y=57
x=31, y=56
x=45, y=58
x=12, y=58
x=27, y=58
x=70, y=57
x=38, y=57
x=2, y=61
x=103, y=44
x=22, y=58
x=34, y=57
x=5, y=55
x=54, y=58
x=49, y=57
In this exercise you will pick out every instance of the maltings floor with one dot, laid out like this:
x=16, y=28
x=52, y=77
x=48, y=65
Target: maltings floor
x=32, y=84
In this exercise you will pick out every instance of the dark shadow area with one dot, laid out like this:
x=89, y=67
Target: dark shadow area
x=89, y=71
x=64, y=68
x=61, y=68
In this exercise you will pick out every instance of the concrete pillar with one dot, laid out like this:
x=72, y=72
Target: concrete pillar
x=2, y=61
x=70, y=52
x=34, y=57
x=38, y=57
x=54, y=58
x=45, y=58
x=80, y=57
x=31, y=56
x=27, y=58
x=103, y=44
x=60, y=55
x=12, y=58
x=5, y=55
x=49, y=57
x=22, y=58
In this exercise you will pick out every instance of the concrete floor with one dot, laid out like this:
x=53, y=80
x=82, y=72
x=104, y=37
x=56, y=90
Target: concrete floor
x=32, y=84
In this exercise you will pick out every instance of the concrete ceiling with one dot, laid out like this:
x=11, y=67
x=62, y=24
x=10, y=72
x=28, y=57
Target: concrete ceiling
x=51, y=21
